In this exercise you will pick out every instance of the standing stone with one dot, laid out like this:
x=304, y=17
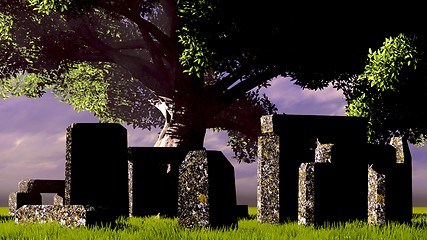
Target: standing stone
x=390, y=184
x=96, y=168
x=399, y=208
x=376, y=197
x=268, y=170
x=306, y=194
x=306, y=185
x=153, y=180
x=285, y=143
x=206, y=191
x=335, y=181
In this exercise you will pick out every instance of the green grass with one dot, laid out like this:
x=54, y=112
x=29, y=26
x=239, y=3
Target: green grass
x=155, y=228
x=4, y=211
x=419, y=209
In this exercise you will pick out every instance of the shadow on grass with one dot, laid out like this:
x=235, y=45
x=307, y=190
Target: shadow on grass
x=4, y=218
x=419, y=220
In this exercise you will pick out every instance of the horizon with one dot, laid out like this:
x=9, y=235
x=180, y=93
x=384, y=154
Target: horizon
x=32, y=138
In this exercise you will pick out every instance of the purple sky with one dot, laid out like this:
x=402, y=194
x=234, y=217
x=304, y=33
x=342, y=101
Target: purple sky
x=32, y=138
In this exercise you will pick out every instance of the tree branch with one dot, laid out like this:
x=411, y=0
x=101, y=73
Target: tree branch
x=250, y=130
x=90, y=57
x=137, y=66
x=241, y=88
x=151, y=32
x=134, y=16
x=171, y=13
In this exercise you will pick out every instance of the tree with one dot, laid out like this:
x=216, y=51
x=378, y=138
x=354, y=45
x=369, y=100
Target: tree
x=392, y=91
x=187, y=65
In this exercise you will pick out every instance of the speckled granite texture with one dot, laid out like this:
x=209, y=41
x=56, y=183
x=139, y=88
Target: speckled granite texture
x=193, y=191
x=268, y=170
x=58, y=200
x=306, y=194
x=397, y=143
x=376, y=197
x=323, y=152
x=206, y=191
x=69, y=216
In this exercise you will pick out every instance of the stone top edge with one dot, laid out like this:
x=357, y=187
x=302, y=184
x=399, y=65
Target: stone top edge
x=271, y=123
x=93, y=124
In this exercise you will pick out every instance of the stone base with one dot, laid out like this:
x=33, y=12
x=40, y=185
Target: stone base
x=69, y=216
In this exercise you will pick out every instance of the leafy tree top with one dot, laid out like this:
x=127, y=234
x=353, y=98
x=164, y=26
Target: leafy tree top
x=126, y=60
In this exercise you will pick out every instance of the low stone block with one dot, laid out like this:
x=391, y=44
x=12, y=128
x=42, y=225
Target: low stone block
x=206, y=191
x=19, y=199
x=69, y=216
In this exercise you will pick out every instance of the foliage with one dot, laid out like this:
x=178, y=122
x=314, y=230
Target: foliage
x=391, y=92
x=198, y=62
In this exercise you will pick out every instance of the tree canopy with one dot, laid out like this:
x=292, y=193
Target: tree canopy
x=392, y=91
x=181, y=64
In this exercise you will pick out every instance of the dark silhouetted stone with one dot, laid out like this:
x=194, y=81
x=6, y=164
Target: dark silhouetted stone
x=19, y=199
x=42, y=186
x=336, y=189
x=242, y=211
x=390, y=184
x=206, y=191
x=153, y=180
x=96, y=168
x=285, y=143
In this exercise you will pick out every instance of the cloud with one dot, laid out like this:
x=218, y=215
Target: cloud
x=141, y=138
x=292, y=99
x=32, y=138
x=47, y=114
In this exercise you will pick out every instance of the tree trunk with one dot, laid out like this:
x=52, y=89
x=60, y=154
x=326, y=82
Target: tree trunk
x=185, y=116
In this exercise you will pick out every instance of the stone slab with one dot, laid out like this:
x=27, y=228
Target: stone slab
x=153, y=180
x=285, y=143
x=96, y=167
x=69, y=216
x=206, y=191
